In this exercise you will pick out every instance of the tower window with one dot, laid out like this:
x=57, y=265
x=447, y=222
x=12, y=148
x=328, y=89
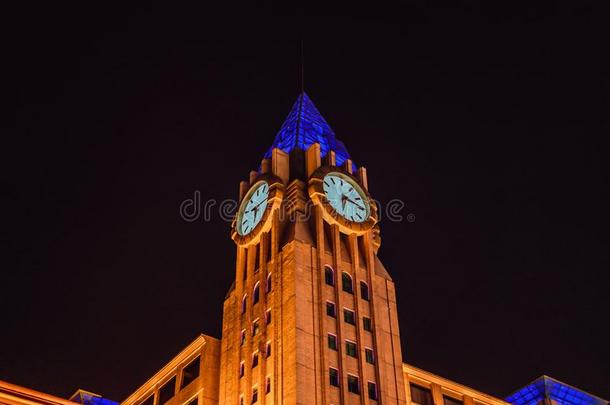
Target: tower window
x=332, y=342
x=268, y=317
x=254, y=395
x=364, y=291
x=242, y=337
x=268, y=385
x=167, y=391
x=351, y=349
x=331, y=309
x=334, y=377
x=256, y=328
x=421, y=395
x=329, y=275
x=366, y=324
x=353, y=385
x=369, y=356
x=349, y=316
x=268, y=349
x=256, y=294
x=241, y=400
x=190, y=372
x=372, y=388
x=242, y=369
x=255, y=359
x=347, y=283
x=269, y=284
x=244, y=304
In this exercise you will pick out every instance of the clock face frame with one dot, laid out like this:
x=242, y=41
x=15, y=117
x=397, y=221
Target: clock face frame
x=346, y=197
x=256, y=208
x=339, y=202
x=252, y=208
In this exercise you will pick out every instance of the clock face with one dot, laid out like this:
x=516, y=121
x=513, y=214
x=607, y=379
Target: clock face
x=252, y=208
x=346, y=197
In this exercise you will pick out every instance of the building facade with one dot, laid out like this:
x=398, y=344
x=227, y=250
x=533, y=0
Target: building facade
x=311, y=316
x=189, y=378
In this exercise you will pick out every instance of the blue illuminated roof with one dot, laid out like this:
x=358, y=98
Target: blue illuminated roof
x=546, y=387
x=88, y=398
x=305, y=126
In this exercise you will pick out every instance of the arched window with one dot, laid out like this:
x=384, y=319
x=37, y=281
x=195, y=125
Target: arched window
x=256, y=293
x=364, y=291
x=348, y=284
x=329, y=275
x=244, y=304
x=269, y=284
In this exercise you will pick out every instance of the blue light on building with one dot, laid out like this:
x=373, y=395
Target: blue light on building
x=305, y=126
x=88, y=398
x=549, y=388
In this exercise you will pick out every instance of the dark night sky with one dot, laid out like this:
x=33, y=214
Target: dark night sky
x=489, y=121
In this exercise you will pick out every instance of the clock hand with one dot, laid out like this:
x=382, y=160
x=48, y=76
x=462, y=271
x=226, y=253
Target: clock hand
x=257, y=212
x=255, y=207
x=355, y=203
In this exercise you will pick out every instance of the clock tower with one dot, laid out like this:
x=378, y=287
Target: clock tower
x=311, y=316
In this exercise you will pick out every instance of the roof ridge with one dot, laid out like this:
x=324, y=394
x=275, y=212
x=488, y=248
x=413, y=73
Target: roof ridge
x=549, y=387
